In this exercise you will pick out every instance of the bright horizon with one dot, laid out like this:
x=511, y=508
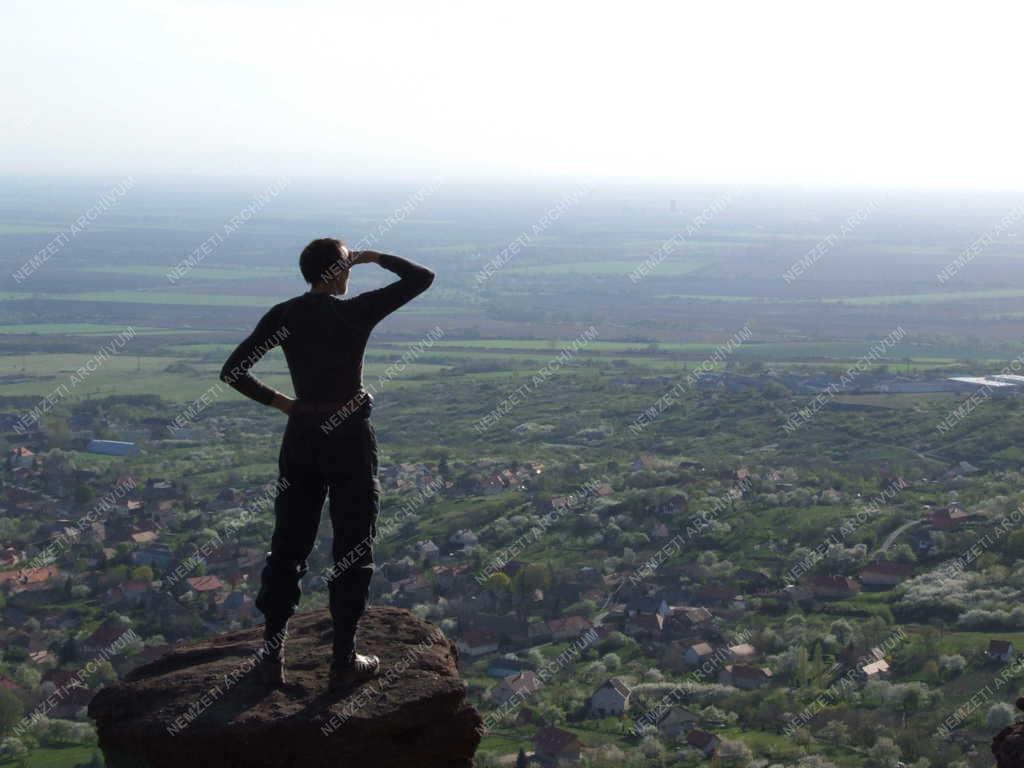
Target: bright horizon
x=893, y=96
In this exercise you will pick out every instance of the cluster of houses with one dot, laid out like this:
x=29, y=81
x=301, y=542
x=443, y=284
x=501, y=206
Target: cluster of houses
x=486, y=633
x=554, y=746
x=84, y=425
x=407, y=476
x=491, y=480
x=734, y=665
x=131, y=521
x=119, y=547
x=71, y=690
x=885, y=574
x=486, y=477
x=682, y=628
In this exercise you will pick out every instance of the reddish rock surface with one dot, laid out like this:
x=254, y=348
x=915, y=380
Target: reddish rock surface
x=200, y=705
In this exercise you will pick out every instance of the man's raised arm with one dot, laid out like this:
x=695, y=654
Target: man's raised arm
x=413, y=280
x=269, y=333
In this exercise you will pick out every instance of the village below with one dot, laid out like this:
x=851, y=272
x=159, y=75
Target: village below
x=713, y=503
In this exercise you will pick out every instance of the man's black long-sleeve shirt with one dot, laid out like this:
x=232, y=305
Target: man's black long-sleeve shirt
x=323, y=337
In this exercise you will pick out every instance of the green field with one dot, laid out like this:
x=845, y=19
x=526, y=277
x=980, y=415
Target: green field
x=151, y=297
x=196, y=273
x=192, y=298
x=929, y=298
x=794, y=349
x=894, y=401
x=86, y=329
x=128, y=374
x=610, y=267
x=836, y=351
x=861, y=301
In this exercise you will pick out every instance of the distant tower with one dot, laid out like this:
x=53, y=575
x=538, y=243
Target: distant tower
x=672, y=207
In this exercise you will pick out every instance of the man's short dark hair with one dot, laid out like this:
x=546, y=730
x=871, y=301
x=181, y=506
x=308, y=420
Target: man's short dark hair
x=322, y=259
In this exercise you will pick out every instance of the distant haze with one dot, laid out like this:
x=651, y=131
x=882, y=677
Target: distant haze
x=901, y=94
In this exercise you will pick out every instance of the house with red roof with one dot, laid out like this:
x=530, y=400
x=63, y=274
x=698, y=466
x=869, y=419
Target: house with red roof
x=1000, y=650
x=104, y=637
x=129, y=590
x=30, y=579
x=556, y=746
x=834, y=587
x=745, y=676
x=205, y=584
x=949, y=518
x=519, y=685
x=875, y=670
x=741, y=652
x=477, y=642
x=885, y=574
x=568, y=628
x=645, y=625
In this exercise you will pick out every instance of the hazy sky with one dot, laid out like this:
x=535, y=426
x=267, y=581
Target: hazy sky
x=893, y=93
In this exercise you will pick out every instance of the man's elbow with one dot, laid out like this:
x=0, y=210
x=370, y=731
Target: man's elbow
x=428, y=278
x=228, y=374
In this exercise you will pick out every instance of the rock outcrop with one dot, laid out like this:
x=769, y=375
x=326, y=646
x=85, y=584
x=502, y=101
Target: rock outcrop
x=202, y=704
x=1008, y=745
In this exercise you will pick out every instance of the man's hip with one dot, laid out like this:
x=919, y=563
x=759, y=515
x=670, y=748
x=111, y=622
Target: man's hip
x=358, y=406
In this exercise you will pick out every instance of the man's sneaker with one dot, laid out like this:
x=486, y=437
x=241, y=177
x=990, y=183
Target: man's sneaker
x=361, y=668
x=271, y=655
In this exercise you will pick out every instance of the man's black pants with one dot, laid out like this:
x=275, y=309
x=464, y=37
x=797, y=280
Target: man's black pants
x=324, y=457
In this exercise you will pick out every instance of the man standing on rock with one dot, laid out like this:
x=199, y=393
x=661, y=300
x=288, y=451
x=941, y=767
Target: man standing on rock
x=329, y=448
